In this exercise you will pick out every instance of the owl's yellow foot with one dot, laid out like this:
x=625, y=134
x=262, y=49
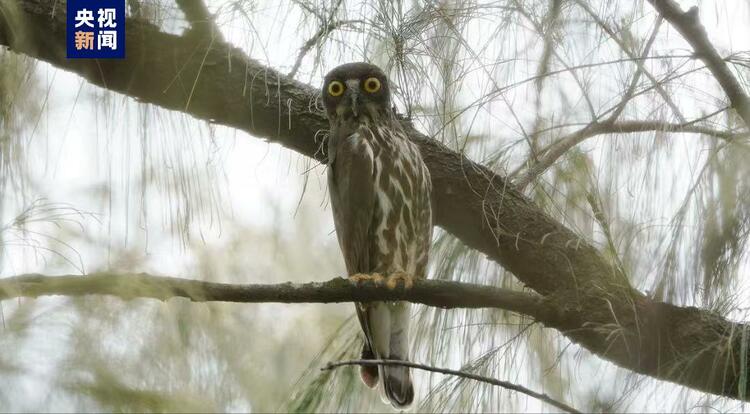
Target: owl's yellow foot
x=394, y=279
x=362, y=278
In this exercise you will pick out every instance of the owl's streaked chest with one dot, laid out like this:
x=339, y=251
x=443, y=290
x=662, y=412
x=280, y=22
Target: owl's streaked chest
x=401, y=223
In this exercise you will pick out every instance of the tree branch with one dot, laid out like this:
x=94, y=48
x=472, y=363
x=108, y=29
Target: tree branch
x=549, y=155
x=442, y=294
x=216, y=82
x=504, y=384
x=202, y=22
x=630, y=53
x=688, y=24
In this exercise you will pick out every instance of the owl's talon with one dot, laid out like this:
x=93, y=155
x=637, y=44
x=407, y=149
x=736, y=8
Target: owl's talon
x=399, y=277
x=363, y=278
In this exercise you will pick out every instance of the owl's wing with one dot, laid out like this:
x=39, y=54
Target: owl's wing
x=351, y=185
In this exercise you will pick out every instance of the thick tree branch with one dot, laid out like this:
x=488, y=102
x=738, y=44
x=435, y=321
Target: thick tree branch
x=216, y=82
x=463, y=374
x=692, y=30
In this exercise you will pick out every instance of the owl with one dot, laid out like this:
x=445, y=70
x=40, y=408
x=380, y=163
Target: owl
x=380, y=196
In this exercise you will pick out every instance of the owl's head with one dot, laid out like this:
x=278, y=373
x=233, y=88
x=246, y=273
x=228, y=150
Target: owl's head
x=356, y=91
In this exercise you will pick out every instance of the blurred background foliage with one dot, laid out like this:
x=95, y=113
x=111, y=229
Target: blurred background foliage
x=92, y=180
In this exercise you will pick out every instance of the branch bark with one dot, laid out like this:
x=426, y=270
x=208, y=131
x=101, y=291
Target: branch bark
x=442, y=294
x=217, y=82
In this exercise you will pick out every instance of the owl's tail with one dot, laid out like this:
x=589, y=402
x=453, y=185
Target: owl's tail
x=386, y=325
x=397, y=385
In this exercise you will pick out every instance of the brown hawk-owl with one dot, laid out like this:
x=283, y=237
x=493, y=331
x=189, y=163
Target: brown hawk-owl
x=380, y=194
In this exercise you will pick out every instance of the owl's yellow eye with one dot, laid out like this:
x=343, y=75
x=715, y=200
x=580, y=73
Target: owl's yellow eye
x=372, y=85
x=335, y=88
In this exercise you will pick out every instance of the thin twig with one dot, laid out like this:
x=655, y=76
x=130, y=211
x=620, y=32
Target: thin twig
x=640, y=69
x=547, y=31
x=327, y=22
x=553, y=152
x=639, y=62
x=500, y=383
x=317, y=37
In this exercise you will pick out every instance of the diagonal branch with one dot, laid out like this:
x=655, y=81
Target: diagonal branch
x=692, y=30
x=550, y=154
x=631, y=54
x=218, y=83
x=640, y=69
x=689, y=26
x=504, y=384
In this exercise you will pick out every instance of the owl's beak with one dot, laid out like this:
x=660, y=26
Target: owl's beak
x=354, y=104
x=352, y=89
